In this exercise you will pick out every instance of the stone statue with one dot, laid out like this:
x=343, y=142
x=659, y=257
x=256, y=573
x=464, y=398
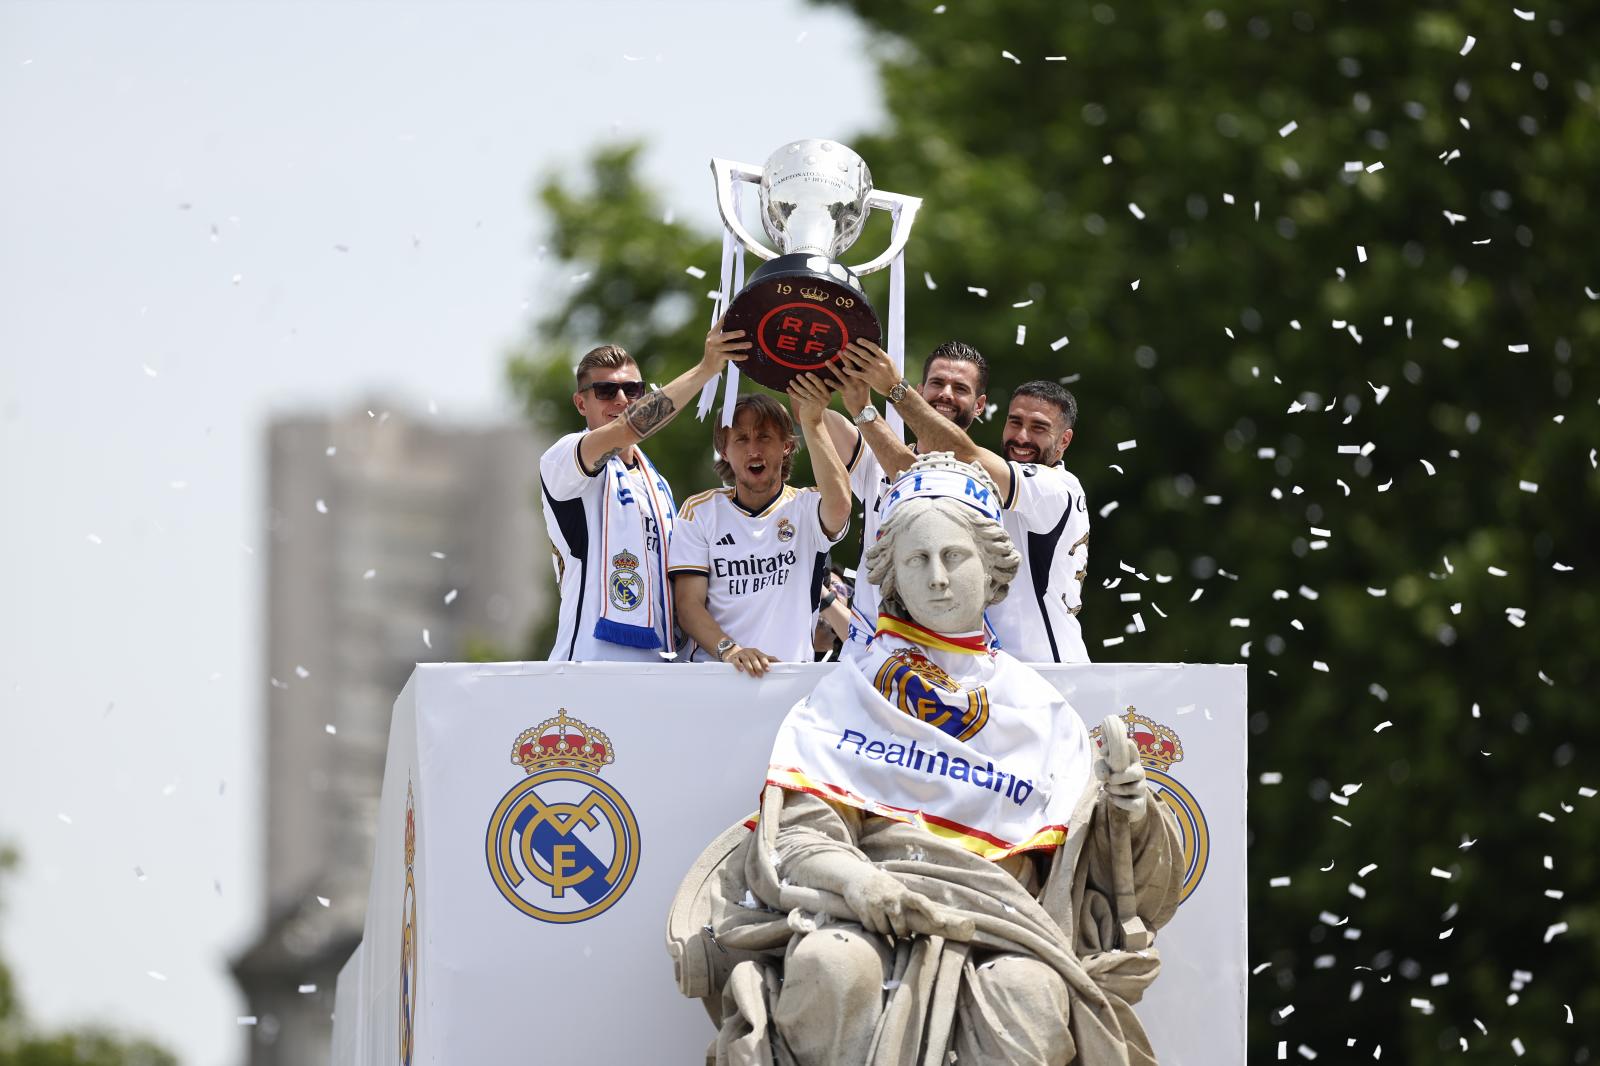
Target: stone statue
x=942, y=864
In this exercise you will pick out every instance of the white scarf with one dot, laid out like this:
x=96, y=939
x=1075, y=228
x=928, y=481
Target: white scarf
x=636, y=603
x=944, y=733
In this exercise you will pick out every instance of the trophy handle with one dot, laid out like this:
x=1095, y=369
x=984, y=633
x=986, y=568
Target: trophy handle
x=905, y=213
x=726, y=172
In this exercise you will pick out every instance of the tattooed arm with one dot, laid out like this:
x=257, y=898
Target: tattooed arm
x=655, y=409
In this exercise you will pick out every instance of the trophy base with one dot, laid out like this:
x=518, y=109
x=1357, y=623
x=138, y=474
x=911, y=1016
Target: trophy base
x=797, y=311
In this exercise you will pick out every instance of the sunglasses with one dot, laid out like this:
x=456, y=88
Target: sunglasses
x=606, y=391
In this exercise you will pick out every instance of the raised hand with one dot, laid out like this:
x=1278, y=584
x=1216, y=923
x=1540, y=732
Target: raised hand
x=809, y=396
x=865, y=361
x=723, y=346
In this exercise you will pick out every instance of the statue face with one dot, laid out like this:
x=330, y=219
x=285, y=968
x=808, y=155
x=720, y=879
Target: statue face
x=940, y=575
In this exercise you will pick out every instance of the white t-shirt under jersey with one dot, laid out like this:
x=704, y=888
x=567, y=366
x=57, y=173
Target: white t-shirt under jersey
x=574, y=509
x=1048, y=519
x=763, y=569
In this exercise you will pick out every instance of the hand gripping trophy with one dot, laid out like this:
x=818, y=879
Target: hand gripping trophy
x=803, y=305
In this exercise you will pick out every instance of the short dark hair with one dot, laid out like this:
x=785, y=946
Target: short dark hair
x=768, y=412
x=1050, y=392
x=607, y=356
x=960, y=352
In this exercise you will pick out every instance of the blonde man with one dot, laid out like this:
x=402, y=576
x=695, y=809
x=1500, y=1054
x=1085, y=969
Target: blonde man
x=609, y=513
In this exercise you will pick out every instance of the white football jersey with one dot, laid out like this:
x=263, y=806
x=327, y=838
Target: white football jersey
x=574, y=512
x=764, y=570
x=867, y=484
x=1048, y=519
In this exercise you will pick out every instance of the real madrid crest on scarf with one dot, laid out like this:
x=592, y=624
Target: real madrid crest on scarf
x=562, y=845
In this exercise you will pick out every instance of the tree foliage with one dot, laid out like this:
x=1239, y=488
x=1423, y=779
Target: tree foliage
x=1339, y=285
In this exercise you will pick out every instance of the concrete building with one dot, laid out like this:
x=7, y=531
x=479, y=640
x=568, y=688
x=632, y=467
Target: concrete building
x=393, y=541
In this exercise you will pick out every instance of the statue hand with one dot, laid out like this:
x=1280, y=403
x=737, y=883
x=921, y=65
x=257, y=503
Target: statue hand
x=1127, y=788
x=883, y=905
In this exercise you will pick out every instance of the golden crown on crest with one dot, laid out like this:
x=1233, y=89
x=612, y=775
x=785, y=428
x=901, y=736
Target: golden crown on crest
x=562, y=742
x=1158, y=745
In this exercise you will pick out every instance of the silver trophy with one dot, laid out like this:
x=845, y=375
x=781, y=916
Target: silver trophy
x=802, y=305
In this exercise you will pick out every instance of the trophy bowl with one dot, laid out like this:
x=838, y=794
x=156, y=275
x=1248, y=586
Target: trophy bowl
x=803, y=305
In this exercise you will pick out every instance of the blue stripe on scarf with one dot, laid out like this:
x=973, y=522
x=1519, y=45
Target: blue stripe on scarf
x=626, y=635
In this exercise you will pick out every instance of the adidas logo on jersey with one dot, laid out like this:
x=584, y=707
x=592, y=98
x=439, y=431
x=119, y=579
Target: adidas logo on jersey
x=727, y=538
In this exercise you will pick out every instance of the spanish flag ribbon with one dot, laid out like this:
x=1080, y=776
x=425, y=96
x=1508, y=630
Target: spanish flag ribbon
x=965, y=643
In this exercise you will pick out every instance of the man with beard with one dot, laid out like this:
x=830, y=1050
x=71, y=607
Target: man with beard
x=955, y=383
x=748, y=561
x=1044, y=508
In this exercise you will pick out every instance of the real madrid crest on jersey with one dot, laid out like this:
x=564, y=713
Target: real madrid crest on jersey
x=921, y=688
x=624, y=584
x=1159, y=748
x=785, y=530
x=562, y=844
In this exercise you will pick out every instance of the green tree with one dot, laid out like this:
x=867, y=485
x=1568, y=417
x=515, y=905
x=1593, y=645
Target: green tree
x=19, y=1046
x=1336, y=282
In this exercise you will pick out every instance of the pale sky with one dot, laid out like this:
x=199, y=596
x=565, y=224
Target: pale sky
x=211, y=212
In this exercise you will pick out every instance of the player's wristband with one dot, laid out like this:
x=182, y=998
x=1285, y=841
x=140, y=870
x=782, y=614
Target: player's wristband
x=827, y=600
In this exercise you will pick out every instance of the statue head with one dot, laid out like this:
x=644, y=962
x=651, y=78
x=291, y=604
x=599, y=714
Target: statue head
x=942, y=555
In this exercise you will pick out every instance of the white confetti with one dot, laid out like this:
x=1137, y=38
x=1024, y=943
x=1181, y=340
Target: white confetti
x=1381, y=726
x=927, y=279
x=1135, y=284
x=1007, y=55
x=1058, y=344
x=331, y=729
x=1495, y=571
x=1467, y=45
x=976, y=291
x=427, y=641
x=1022, y=334
x=1286, y=1011
x=694, y=272
x=156, y=975
x=1426, y=466
x=1318, y=664
x=1285, y=130
x=307, y=989
x=369, y=575
x=325, y=901
x=1554, y=931
x=1271, y=777
x=1516, y=349
x=1374, y=168
x=1133, y=209
x=245, y=1019
x=1443, y=874
x=1108, y=508
x=450, y=597
x=1528, y=486
x=1525, y=16
x=1110, y=642
x=322, y=507
x=1127, y=445
x=1361, y=254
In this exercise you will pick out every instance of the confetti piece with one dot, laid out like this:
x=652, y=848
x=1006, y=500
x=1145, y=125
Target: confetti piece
x=1022, y=334
x=1127, y=445
x=1133, y=209
x=1525, y=16
x=1443, y=874
x=325, y=901
x=1516, y=349
x=1286, y=1011
x=1318, y=664
x=369, y=575
x=330, y=729
x=322, y=507
x=159, y=976
x=927, y=279
x=1284, y=131
x=1528, y=486
x=94, y=538
x=307, y=989
x=1058, y=344
x=1495, y=571
x=1135, y=284
x=1374, y=168
x=1381, y=726
x=427, y=641
x=1467, y=45
x=976, y=291
x=1024, y=303
x=1108, y=508
x=245, y=1019
x=1110, y=642
x=1007, y=55
x=1271, y=777
x=1554, y=931
x=1426, y=466
x=1361, y=254
x=694, y=272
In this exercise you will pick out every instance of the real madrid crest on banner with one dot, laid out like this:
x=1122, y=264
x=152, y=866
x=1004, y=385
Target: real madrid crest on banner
x=1159, y=748
x=408, y=938
x=562, y=845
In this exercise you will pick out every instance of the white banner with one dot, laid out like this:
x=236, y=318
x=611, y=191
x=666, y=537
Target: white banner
x=536, y=899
